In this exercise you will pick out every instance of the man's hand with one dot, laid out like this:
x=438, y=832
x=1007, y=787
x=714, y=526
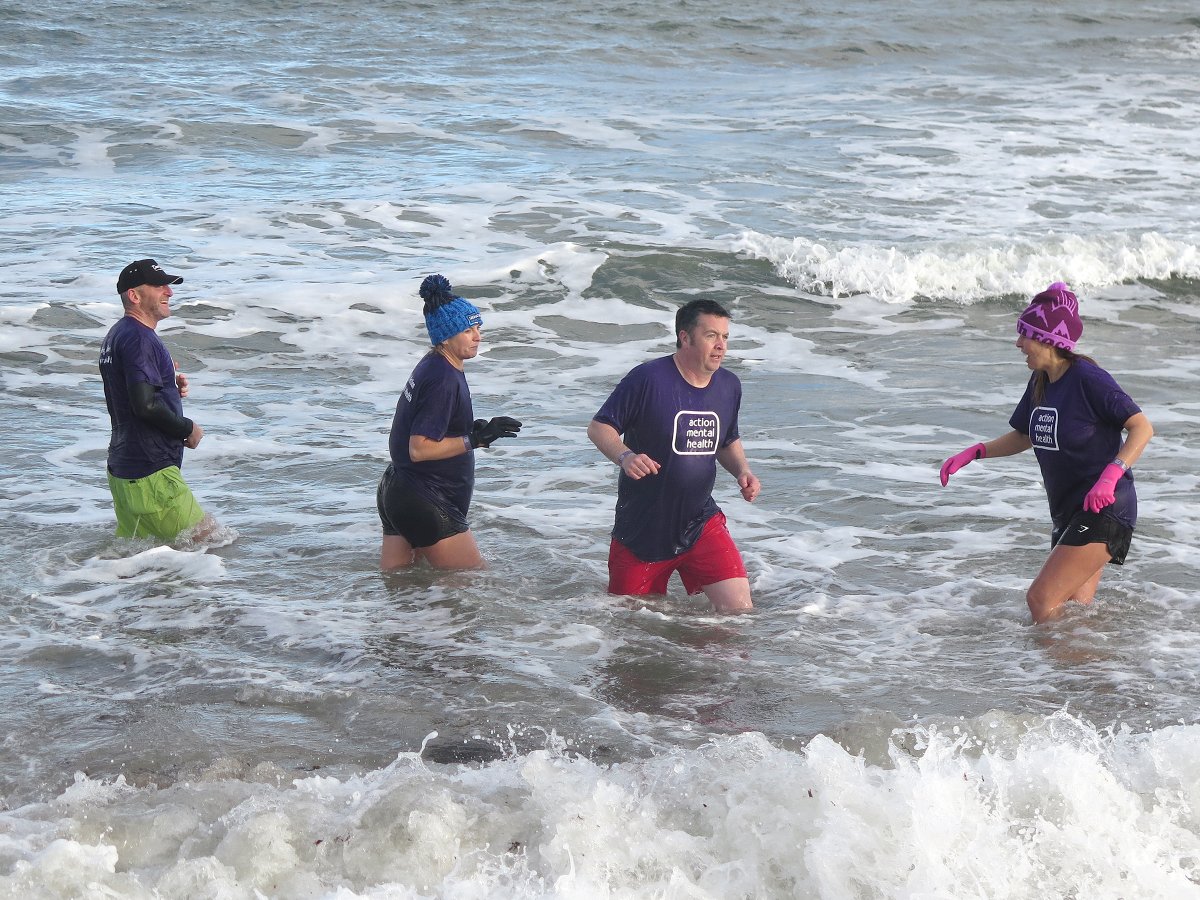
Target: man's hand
x=638, y=466
x=181, y=382
x=750, y=486
x=194, y=438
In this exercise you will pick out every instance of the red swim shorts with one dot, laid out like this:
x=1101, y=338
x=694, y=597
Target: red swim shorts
x=714, y=557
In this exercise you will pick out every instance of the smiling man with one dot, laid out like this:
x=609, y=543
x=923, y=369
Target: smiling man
x=144, y=394
x=667, y=425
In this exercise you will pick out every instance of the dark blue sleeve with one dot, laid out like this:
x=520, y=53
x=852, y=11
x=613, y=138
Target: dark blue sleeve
x=733, y=434
x=144, y=359
x=149, y=375
x=623, y=404
x=1111, y=404
x=435, y=404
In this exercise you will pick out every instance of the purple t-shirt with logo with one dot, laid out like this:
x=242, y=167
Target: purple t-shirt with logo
x=133, y=353
x=1076, y=432
x=680, y=427
x=435, y=403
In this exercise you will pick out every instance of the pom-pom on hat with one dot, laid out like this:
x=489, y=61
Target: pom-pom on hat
x=445, y=314
x=1052, y=318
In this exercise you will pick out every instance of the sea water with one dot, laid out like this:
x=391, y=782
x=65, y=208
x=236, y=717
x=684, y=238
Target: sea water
x=874, y=190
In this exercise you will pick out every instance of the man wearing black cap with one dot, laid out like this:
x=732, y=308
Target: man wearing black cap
x=144, y=394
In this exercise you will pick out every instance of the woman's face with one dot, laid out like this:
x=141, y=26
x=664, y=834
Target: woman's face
x=1038, y=356
x=465, y=344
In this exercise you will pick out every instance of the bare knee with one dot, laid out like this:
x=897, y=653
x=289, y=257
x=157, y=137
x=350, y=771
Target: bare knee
x=1042, y=605
x=731, y=596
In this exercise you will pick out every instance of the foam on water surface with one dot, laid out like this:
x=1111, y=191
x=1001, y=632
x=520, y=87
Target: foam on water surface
x=990, y=806
x=874, y=193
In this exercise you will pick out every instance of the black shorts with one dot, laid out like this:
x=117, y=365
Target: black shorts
x=1095, y=528
x=407, y=514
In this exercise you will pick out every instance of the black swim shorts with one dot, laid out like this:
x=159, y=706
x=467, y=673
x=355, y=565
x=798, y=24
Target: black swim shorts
x=406, y=513
x=1095, y=528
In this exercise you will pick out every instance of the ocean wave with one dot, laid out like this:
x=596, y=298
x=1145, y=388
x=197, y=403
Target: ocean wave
x=1001, y=805
x=967, y=272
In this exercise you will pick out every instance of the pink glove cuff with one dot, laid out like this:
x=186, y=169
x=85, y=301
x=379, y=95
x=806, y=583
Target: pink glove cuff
x=960, y=459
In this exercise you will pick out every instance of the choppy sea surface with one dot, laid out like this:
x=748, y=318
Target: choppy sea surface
x=874, y=190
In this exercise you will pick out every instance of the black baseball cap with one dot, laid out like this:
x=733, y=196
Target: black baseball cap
x=144, y=271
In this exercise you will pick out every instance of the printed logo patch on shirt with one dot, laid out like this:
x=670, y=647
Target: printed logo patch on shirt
x=696, y=432
x=1043, y=428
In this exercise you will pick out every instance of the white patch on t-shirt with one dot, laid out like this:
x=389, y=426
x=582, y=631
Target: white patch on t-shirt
x=696, y=433
x=1043, y=428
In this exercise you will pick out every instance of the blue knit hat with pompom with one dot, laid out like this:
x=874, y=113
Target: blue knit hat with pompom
x=445, y=314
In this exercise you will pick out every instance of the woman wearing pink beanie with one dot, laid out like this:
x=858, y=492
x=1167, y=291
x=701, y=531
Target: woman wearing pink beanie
x=1072, y=415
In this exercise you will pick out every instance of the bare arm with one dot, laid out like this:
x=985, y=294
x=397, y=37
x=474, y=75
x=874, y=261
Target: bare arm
x=1008, y=444
x=1139, y=433
x=423, y=449
x=608, y=442
x=732, y=458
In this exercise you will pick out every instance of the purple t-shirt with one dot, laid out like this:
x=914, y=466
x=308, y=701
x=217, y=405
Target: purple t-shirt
x=680, y=427
x=1076, y=432
x=436, y=403
x=133, y=353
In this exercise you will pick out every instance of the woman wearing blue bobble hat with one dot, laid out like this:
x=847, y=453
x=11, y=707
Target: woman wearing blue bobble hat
x=425, y=492
x=1072, y=414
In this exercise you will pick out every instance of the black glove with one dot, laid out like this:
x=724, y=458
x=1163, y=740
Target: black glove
x=484, y=433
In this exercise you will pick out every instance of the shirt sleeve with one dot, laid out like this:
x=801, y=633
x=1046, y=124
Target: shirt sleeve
x=733, y=433
x=1111, y=404
x=140, y=363
x=434, y=404
x=619, y=410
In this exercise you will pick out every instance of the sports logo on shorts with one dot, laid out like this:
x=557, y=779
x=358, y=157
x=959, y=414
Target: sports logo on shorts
x=696, y=433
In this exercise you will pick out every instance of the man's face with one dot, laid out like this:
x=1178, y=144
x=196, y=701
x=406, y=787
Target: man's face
x=153, y=300
x=705, y=345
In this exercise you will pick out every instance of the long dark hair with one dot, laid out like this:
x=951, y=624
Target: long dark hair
x=1040, y=379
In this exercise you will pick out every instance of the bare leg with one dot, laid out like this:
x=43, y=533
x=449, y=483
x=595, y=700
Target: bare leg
x=1069, y=573
x=198, y=535
x=730, y=596
x=456, y=552
x=1087, y=593
x=397, y=553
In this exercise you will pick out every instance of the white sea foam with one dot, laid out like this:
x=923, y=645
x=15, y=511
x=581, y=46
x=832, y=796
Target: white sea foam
x=873, y=194
x=995, y=805
x=967, y=272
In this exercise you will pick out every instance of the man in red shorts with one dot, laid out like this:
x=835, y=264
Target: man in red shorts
x=667, y=425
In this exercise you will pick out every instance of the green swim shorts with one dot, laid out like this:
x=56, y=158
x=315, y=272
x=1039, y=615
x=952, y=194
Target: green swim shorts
x=160, y=505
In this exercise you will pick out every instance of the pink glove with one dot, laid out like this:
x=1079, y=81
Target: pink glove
x=1105, y=490
x=960, y=459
